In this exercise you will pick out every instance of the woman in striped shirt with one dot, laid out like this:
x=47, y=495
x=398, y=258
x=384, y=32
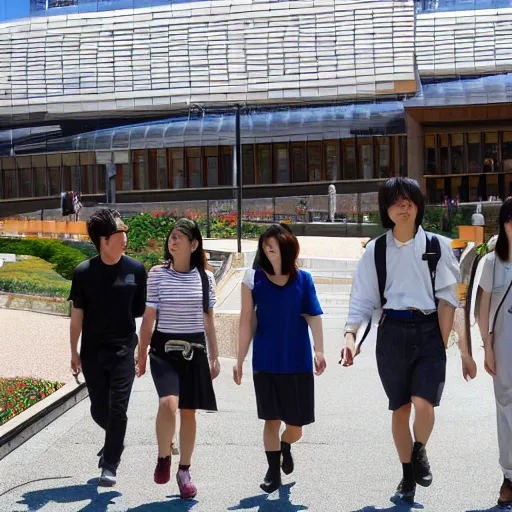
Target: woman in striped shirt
x=180, y=299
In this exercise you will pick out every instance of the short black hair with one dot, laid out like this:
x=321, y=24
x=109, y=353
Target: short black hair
x=505, y=215
x=400, y=188
x=288, y=246
x=103, y=223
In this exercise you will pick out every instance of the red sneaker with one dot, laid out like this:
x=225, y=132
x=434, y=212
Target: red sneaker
x=163, y=470
x=187, y=489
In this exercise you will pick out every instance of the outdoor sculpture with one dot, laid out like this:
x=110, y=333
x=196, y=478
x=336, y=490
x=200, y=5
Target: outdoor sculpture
x=332, y=202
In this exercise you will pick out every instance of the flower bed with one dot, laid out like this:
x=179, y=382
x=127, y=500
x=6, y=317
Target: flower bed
x=148, y=232
x=18, y=394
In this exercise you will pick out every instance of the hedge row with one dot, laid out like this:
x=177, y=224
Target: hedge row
x=63, y=258
x=33, y=276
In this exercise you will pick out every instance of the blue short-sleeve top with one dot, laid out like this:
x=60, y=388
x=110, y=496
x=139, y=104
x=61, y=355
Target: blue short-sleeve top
x=281, y=342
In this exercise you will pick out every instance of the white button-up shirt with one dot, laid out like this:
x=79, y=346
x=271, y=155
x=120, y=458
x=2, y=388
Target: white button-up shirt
x=408, y=282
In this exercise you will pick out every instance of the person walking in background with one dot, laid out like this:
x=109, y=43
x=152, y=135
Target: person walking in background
x=494, y=316
x=108, y=292
x=286, y=303
x=183, y=351
x=413, y=276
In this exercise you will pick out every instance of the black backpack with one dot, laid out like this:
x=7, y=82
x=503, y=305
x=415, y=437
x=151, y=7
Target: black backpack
x=432, y=255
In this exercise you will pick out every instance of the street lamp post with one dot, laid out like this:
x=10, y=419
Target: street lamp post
x=238, y=161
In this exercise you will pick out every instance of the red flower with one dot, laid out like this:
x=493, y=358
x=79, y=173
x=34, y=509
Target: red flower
x=32, y=397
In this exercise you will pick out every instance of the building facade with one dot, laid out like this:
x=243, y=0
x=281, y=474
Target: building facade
x=135, y=99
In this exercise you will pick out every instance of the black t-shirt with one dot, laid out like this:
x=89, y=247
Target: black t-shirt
x=112, y=296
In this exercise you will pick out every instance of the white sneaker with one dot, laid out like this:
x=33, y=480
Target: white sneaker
x=107, y=478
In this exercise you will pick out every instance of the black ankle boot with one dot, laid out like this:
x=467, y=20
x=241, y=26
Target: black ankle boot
x=272, y=480
x=287, y=464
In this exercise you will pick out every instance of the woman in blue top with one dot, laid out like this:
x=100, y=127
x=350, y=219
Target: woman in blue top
x=286, y=304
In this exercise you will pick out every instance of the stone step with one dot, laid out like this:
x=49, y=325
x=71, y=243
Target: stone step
x=324, y=264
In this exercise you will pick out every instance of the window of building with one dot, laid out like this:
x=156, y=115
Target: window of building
x=163, y=173
x=366, y=165
x=54, y=180
x=508, y=185
x=402, y=155
x=152, y=169
x=349, y=159
x=492, y=186
x=140, y=170
x=101, y=177
x=10, y=177
x=69, y=163
x=435, y=190
x=332, y=160
x=39, y=175
x=383, y=157
x=430, y=155
x=25, y=175
x=248, y=164
x=315, y=161
x=299, y=167
x=475, y=189
x=474, y=153
x=457, y=153
x=490, y=152
x=444, y=153
x=10, y=184
x=456, y=188
x=178, y=168
x=194, y=167
x=226, y=166
x=212, y=165
x=506, y=151
x=282, y=163
x=264, y=164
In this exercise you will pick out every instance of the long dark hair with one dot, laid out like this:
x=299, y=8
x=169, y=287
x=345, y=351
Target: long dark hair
x=288, y=245
x=502, y=242
x=191, y=230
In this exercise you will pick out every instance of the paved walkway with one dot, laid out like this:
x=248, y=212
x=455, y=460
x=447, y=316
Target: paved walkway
x=34, y=345
x=345, y=462
x=313, y=246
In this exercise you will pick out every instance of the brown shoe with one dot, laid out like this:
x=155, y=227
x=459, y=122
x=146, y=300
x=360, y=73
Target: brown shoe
x=505, y=499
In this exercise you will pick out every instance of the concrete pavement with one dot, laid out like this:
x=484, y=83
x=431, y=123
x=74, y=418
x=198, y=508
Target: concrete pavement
x=345, y=462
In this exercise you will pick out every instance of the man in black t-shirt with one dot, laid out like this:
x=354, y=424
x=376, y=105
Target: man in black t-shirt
x=108, y=292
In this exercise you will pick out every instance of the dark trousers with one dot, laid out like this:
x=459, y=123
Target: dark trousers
x=109, y=371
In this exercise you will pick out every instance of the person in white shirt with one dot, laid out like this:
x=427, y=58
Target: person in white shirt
x=418, y=302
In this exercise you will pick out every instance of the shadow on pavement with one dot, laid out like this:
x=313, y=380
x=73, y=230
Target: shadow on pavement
x=398, y=506
x=265, y=504
x=176, y=504
x=492, y=509
x=99, y=502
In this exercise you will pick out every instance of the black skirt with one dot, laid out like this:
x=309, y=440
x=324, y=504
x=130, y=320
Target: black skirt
x=174, y=375
x=286, y=397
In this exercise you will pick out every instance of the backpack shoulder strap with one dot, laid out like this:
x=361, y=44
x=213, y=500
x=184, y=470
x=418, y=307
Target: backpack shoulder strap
x=206, y=290
x=380, y=265
x=432, y=256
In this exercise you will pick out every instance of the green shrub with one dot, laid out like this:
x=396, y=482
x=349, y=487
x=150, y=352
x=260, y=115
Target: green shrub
x=33, y=276
x=86, y=248
x=64, y=258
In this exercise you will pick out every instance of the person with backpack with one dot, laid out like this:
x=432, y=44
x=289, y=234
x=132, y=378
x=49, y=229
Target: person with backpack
x=107, y=293
x=183, y=351
x=284, y=301
x=494, y=317
x=412, y=276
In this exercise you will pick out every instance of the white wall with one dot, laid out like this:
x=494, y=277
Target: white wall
x=464, y=42
x=213, y=51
